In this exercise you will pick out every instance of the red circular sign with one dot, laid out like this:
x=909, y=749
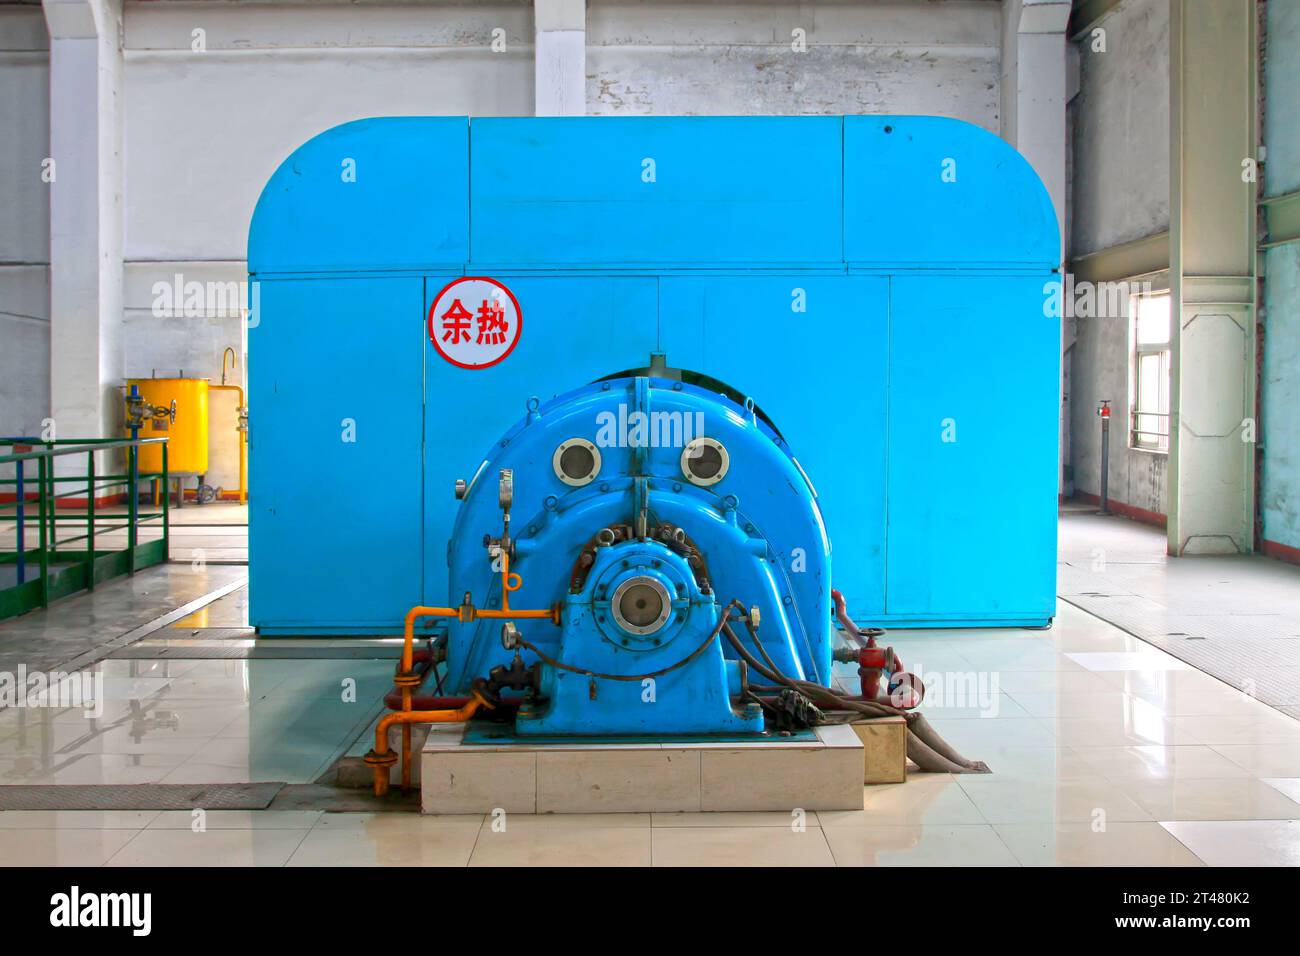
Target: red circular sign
x=475, y=322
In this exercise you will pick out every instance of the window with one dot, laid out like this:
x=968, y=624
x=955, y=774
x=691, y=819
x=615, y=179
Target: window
x=1149, y=372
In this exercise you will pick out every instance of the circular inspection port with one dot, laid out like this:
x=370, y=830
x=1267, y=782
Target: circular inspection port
x=641, y=605
x=705, y=461
x=576, y=462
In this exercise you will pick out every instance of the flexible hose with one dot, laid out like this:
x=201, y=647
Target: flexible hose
x=923, y=731
x=925, y=757
x=925, y=748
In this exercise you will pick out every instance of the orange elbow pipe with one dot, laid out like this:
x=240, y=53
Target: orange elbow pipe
x=506, y=613
x=419, y=611
x=381, y=758
x=459, y=715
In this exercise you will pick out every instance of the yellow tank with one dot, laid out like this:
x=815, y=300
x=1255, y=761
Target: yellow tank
x=187, y=448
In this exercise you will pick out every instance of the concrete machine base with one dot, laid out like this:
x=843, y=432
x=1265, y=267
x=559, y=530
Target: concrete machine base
x=821, y=770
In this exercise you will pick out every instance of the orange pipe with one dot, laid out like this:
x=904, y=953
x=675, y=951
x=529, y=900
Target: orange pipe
x=406, y=718
x=548, y=613
x=509, y=584
x=380, y=758
x=408, y=648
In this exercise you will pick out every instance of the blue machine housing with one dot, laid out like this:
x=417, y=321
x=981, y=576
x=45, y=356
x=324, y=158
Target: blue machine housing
x=757, y=528
x=691, y=699
x=883, y=287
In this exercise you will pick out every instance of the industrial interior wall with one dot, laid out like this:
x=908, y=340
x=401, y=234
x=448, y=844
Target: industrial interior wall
x=1120, y=192
x=216, y=95
x=24, y=221
x=1281, y=313
x=685, y=58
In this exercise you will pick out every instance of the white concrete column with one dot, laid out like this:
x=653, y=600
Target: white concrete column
x=1034, y=89
x=1034, y=58
x=85, y=216
x=1213, y=63
x=24, y=223
x=560, y=53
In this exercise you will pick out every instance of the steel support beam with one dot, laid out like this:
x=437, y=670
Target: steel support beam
x=1087, y=13
x=1213, y=134
x=1282, y=214
x=1127, y=260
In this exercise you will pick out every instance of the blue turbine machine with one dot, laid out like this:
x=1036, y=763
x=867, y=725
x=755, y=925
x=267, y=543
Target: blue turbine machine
x=638, y=503
x=733, y=341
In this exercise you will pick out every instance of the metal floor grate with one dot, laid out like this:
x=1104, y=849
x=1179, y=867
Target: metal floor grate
x=224, y=651
x=145, y=796
x=1236, y=618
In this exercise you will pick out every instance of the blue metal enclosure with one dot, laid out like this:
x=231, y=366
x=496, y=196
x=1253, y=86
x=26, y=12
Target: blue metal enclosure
x=881, y=287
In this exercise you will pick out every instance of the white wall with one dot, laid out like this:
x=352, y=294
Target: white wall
x=1121, y=130
x=938, y=58
x=24, y=221
x=204, y=130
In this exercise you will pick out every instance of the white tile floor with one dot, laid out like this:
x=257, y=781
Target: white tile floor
x=199, y=721
x=1105, y=751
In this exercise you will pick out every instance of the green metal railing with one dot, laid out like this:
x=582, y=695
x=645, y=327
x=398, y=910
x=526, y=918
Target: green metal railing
x=51, y=570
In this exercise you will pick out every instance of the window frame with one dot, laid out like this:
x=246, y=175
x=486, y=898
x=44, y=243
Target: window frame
x=1144, y=439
